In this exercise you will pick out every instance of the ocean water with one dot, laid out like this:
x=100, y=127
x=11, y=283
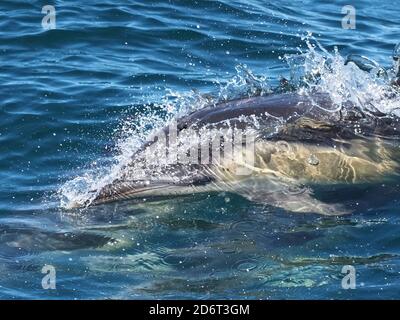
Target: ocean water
x=77, y=99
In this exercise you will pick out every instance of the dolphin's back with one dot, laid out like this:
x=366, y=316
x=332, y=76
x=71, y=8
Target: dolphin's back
x=284, y=106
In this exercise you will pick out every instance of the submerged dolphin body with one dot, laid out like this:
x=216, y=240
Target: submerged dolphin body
x=299, y=143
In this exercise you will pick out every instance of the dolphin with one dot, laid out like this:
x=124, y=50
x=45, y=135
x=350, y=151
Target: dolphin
x=298, y=141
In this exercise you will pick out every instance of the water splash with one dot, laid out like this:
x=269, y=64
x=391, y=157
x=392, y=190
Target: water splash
x=344, y=79
x=244, y=83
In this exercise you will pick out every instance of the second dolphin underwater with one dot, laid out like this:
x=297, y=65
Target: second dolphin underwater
x=298, y=144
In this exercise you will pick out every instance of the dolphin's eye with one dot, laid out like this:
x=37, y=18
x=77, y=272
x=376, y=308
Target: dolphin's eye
x=182, y=126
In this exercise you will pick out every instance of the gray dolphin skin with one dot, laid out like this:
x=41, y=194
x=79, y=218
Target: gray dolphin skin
x=299, y=143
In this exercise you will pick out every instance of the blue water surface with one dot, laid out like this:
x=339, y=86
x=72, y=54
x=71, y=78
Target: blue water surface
x=64, y=93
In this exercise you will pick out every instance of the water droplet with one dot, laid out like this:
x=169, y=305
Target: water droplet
x=313, y=160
